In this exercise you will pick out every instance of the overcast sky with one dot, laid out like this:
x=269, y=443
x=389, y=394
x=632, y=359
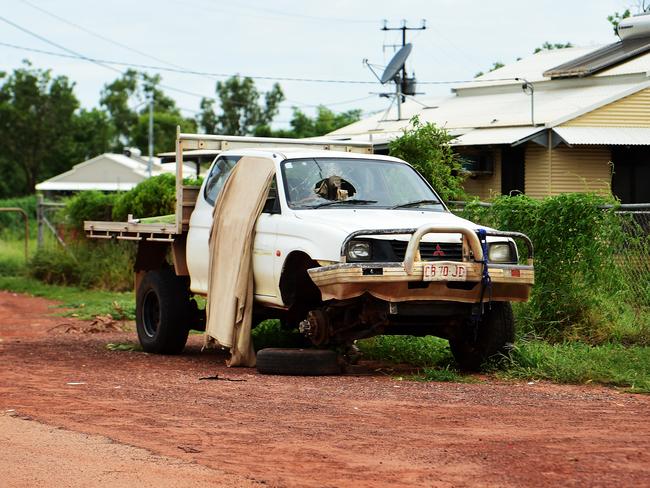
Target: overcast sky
x=296, y=39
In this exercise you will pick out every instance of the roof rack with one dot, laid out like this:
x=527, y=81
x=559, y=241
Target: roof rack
x=222, y=143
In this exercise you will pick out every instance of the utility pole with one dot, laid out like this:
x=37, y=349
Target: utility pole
x=404, y=28
x=150, y=165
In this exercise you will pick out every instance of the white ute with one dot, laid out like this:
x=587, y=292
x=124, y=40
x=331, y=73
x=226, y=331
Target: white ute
x=349, y=245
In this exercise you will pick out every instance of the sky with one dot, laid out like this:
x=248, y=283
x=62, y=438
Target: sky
x=307, y=39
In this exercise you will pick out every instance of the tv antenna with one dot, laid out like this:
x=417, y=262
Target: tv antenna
x=395, y=71
x=403, y=85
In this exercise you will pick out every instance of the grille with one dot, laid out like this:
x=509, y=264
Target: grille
x=452, y=251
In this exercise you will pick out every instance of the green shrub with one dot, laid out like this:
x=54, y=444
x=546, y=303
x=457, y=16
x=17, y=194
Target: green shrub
x=89, y=205
x=88, y=264
x=154, y=196
x=55, y=266
x=579, y=292
x=427, y=148
x=12, y=222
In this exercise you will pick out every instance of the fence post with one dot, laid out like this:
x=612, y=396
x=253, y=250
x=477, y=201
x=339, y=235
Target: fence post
x=39, y=219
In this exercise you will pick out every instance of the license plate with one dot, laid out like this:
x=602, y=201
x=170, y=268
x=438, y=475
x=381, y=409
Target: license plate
x=444, y=272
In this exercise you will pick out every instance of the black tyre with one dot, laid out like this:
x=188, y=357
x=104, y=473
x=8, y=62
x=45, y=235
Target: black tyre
x=298, y=362
x=162, y=307
x=494, y=335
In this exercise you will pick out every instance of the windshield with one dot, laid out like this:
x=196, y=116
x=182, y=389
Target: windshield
x=366, y=183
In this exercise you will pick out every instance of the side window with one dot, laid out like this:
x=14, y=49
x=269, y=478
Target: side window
x=272, y=204
x=218, y=176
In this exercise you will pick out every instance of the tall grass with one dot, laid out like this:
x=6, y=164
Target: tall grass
x=77, y=302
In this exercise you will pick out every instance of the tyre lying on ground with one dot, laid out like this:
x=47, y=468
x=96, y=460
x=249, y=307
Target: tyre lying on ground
x=298, y=362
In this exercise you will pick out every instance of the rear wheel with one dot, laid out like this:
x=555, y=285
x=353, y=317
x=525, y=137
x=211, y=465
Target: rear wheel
x=493, y=335
x=162, y=308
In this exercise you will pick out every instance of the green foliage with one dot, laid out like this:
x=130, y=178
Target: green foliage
x=615, y=19
x=153, y=197
x=93, y=133
x=580, y=291
x=55, y=267
x=548, y=46
x=241, y=112
x=578, y=363
x=131, y=126
x=164, y=130
x=427, y=148
x=270, y=333
x=89, y=205
x=418, y=351
x=88, y=264
x=495, y=66
x=37, y=122
x=302, y=125
x=76, y=302
x=12, y=222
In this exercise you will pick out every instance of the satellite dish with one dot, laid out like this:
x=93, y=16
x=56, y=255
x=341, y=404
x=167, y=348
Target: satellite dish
x=396, y=64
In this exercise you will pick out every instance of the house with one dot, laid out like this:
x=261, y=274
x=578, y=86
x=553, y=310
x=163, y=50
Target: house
x=108, y=172
x=575, y=119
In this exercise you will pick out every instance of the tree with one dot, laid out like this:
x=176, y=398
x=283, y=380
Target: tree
x=93, y=133
x=547, y=46
x=496, y=65
x=302, y=125
x=37, y=123
x=164, y=130
x=241, y=112
x=207, y=119
x=427, y=148
x=127, y=101
x=616, y=18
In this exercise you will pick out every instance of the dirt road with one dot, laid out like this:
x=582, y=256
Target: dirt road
x=245, y=429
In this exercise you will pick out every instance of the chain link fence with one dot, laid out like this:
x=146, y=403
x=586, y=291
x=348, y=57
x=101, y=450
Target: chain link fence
x=633, y=255
x=632, y=252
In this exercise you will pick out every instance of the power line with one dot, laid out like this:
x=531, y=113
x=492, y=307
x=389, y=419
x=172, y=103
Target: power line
x=63, y=48
x=105, y=62
x=99, y=36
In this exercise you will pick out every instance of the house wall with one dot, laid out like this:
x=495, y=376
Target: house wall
x=484, y=186
x=538, y=171
x=631, y=111
x=567, y=169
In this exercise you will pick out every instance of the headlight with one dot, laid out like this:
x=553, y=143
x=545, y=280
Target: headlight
x=359, y=251
x=500, y=252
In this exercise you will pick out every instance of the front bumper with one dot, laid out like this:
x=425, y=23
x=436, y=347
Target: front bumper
x=405, y=281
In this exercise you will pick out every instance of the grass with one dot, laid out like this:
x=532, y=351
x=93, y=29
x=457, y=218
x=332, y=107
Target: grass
x=577, y=363
x=12, y=254
x=571, y=362
x=82, y=303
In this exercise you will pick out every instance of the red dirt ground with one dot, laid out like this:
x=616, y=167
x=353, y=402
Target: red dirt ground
x=364, y=430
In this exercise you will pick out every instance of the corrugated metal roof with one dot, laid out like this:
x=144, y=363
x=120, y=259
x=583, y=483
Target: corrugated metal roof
x=508, y=107
x=600, y=59
x=500, y=135
x=616, y=136
x=531, y=68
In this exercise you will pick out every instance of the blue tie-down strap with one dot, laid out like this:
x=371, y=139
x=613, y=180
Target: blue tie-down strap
x=486, y=281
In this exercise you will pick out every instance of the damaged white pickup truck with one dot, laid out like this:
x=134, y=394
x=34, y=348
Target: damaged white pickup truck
x=349, y=245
